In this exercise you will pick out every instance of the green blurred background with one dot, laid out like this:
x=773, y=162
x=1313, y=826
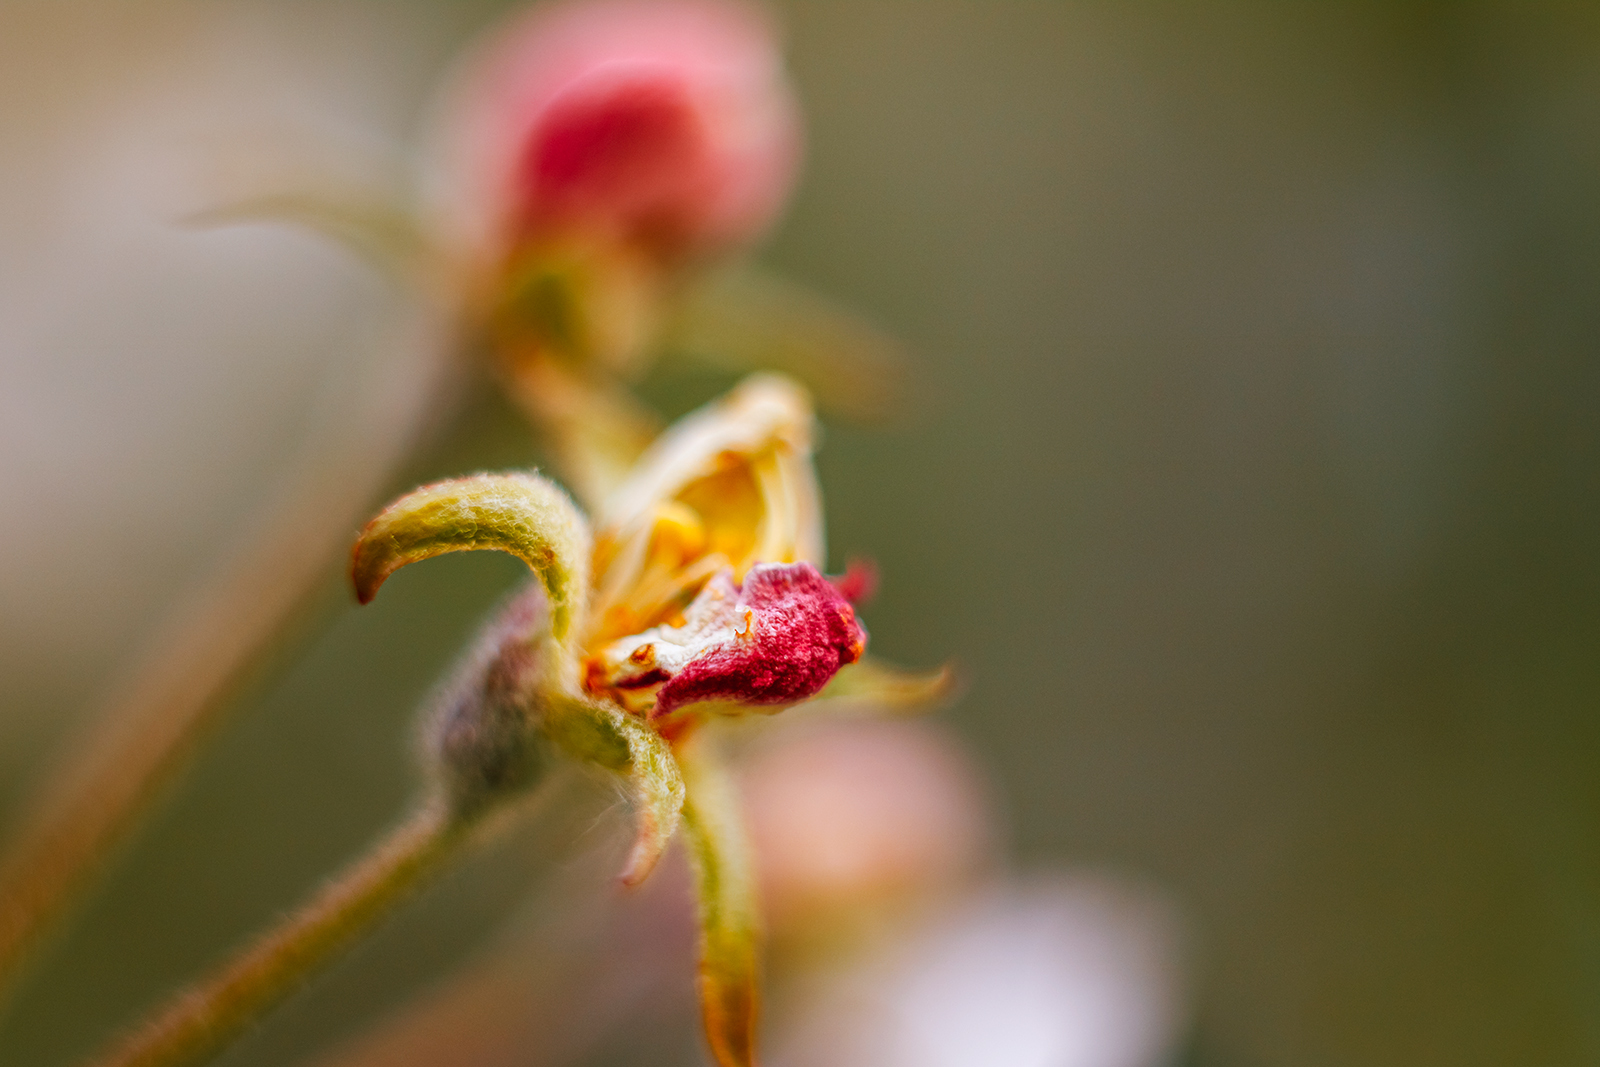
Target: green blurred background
x=1254, y=478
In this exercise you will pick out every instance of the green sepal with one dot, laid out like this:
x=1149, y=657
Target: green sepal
x=730, y=922
x=523, y=514
x=378, y=228
x=611, y=738
x=874, y=686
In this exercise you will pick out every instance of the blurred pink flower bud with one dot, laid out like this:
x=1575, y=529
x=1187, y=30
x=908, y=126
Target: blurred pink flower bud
x=854, y=821
x=665, y=125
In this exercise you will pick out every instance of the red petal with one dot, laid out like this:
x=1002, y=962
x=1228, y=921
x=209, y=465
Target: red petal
x=631, y=149
x=801, y=631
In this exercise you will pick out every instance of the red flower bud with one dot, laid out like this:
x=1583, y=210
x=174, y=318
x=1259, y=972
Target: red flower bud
x=665, y=125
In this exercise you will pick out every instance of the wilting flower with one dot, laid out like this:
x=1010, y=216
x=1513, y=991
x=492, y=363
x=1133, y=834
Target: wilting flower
x=700, y=596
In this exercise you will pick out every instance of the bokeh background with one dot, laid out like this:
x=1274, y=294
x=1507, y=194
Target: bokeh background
x=1253, y=475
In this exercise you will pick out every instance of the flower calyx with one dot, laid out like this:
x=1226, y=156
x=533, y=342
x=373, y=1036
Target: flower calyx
x=700, y=596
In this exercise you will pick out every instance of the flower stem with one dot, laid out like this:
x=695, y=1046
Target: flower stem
x=206, y=1018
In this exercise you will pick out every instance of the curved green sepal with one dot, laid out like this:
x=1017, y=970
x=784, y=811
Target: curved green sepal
x=617, y=741
x=522, y=514
x=730, y=924
x=658, y=790
x=374, y=227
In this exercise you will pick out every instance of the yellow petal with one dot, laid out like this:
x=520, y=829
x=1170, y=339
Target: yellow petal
x=764, y=414
x=522, y=514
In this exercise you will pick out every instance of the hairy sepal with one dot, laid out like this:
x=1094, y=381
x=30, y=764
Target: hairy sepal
x=480, y=741
x=730, y=924
x=523, y=514
x=600, y=734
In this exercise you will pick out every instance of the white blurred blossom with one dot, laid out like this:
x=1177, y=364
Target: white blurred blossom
x=1064, y=971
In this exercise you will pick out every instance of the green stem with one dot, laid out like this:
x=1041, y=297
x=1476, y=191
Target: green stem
x=730, y=924
x=206, y=1018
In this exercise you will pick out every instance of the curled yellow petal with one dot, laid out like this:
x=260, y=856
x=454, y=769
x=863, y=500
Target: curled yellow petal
x=522, y=514
x=730, y=925
x=763, y=414
x=741, y=468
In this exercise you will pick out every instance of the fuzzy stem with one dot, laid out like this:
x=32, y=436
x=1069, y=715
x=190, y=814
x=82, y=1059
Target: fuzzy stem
x=209, y=1016
x=730, y=923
